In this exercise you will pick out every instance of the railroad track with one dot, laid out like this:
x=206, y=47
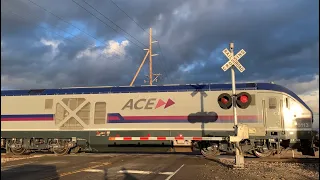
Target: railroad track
x=283, y=158
x=286, y=156
x=287, y=160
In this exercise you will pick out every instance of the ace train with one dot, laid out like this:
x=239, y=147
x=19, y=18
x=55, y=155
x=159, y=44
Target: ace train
x=190, y=116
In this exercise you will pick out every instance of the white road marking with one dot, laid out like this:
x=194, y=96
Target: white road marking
x=134, y=172
x=94, y=170
x=144, y=172
x=150, y=172
x=166, y=173
x=174, y=173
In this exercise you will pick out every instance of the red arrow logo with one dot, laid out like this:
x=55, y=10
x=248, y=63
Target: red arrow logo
x=160, y=103
x=169, y=103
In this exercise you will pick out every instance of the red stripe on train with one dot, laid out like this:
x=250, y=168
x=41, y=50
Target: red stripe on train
x=251, y=117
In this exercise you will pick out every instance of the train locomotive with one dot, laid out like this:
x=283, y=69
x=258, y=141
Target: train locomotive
x=193, y=116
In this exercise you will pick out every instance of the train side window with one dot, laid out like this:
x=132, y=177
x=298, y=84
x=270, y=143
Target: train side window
x=272, y=103
x=287, y=103
x=253, y=100
x=48, y=103
x=100, y=113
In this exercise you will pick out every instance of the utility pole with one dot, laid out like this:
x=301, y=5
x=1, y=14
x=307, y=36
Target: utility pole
x=150, y=58
x=149, y=53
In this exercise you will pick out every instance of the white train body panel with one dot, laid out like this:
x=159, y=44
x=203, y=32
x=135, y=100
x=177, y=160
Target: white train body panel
x=269, y=111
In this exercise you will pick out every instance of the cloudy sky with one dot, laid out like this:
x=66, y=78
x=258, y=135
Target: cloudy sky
x=51, y=44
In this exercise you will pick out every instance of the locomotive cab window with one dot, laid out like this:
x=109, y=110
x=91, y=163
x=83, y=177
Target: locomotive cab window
x=272, y=103
x=287, y=103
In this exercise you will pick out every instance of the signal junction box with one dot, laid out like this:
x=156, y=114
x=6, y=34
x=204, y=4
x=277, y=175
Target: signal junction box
x=242, y=132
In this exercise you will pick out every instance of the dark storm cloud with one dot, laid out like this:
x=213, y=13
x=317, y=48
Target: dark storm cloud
x=280, y=38
x=259, y=32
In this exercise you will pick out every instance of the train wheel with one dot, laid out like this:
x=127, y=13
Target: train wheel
x=18, y=151
x=75, y=150
x=16, y=147
x=62, y=148
x=61, y=151
x=211, y=151
x=263, y=152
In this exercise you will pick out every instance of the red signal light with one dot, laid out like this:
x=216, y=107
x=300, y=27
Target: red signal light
x=243, y=100
x=225, y=101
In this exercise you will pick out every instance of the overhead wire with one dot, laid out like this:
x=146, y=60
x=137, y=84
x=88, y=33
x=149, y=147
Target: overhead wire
x=161, y=53
x=116, y=25
x=72, y=35
x=129, y=16
x=82, y=31
x=113, y=23
x=104, y=23
x=69, y=23
x=47, y=29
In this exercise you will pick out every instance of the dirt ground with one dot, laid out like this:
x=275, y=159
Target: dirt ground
x=154, y=166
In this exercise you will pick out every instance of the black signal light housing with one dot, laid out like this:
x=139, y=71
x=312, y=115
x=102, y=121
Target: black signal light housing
x=225, y=101
x=243, y=100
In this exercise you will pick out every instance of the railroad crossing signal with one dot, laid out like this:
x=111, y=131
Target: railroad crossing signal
x=242, y=100
x=233, y=60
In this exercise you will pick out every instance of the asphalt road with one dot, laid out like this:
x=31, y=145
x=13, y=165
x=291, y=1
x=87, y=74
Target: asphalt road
x=122, y=167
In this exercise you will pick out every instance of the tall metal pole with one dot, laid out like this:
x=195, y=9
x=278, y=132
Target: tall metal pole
x=233, y=81
x=239, y=156
x=150, y=57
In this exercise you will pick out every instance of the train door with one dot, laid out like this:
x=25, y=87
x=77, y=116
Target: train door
x=272, y=116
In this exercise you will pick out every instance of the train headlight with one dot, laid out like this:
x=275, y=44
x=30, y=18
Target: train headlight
x=288, y=115
x=296, y=109
x=291, y=114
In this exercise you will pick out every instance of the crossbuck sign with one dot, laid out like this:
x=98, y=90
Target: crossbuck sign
x=233, y=60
